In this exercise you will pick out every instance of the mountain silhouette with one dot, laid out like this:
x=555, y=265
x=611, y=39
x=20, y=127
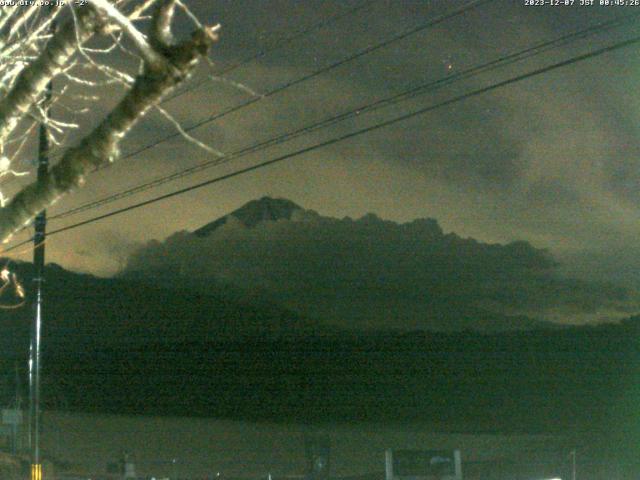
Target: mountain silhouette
x=374, y=274
x=81, y=309
x=256, y=211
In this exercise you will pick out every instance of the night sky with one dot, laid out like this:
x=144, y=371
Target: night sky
x=550, y=160
x=495, y=213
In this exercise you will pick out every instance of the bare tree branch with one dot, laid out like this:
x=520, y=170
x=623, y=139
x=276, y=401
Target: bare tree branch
x=101, y=145
x=7, y=13
x=32, y=81
x=148, y=53
x=22, y=19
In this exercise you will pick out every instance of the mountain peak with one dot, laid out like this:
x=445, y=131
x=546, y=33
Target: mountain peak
x=265, y=209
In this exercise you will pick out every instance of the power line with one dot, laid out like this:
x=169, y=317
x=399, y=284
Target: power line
x=378, y=126
x=385, y=43
x=277, y=45
x=367, y=108
x=407, y=33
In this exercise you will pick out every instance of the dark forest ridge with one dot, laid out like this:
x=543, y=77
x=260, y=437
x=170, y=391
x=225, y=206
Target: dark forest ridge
x=217, y=317
x=369, y=273
x=119, y=345
x=254, y=212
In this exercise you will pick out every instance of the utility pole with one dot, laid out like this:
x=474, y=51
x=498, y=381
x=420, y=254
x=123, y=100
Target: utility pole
x=18, y=387
x=40, y=223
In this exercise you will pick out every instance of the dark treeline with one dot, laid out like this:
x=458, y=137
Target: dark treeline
x=116, y=346
x=576, y=379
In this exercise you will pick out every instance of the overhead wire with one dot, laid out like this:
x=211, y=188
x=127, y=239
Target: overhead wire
x=411, y=93
x=405, y=34
x=350, y=58
x=362, y=131
x=287, y=85
x=276, y=46
x=282, y=42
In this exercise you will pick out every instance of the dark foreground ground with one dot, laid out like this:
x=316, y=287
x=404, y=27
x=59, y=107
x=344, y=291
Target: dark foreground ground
x=520, y=382
x=585, y=379
x=581, y=382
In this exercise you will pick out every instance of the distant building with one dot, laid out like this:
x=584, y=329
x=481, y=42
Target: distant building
x=197, y=448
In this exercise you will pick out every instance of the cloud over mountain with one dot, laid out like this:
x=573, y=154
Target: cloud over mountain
x=372, y=273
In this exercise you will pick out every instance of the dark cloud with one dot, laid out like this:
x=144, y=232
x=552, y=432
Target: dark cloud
x=551, y=160
x=370, y=272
